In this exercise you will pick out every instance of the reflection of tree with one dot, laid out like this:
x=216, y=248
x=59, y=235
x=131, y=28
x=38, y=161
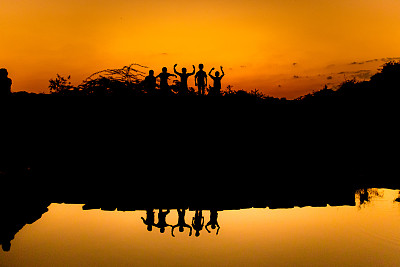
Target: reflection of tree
x=15, y=216
x=366, y=195
x=398, y=199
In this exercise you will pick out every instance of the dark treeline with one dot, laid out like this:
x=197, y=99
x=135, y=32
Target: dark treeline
x=188, y=147
x=132, y=81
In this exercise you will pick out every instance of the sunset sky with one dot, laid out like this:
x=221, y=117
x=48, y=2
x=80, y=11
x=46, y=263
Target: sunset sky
x=285, y=48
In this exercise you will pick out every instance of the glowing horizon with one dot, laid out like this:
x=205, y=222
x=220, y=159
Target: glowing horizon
x=283, y=48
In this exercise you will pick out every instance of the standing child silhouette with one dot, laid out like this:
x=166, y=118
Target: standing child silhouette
x=216, y=90
x=184, y=77
x=200, y=80
x=5, y=83
x=150, y=83
x=164, y=87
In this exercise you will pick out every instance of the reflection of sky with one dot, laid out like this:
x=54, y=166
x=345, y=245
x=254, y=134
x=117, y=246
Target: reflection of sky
x=330, y=236
x=257, y=41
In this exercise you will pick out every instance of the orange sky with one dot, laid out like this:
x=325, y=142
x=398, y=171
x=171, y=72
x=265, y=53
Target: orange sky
x=284, y=48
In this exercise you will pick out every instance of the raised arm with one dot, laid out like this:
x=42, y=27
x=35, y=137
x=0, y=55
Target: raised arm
x=209, y=223
x=172, y=230
x=209, y=74
x=223, y=73
x=175, y=69
x=194, y=70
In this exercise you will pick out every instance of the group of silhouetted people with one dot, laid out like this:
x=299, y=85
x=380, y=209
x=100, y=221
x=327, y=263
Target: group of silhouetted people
x=197, y=221
x=150, y=82
x=5, y=83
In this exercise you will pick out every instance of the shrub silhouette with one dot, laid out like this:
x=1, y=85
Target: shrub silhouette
x=128, y=81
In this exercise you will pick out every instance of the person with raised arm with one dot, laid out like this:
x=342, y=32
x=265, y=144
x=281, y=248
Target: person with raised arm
x=216, y=90
x=164, y=76
x=149, y=221
x=181, y=223
x=162, y=220
x=213, y=221
x=183, y=90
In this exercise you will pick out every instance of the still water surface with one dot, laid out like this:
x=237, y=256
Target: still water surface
x=366, y=234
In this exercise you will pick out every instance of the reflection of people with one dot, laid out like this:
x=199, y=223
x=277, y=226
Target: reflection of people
x=184, y=77
x=198, y=222
x=5, y=83
x=213, y=221
x=162, y=223
x=149, y=221
x=164, y=87
x=200, y=80
x=150, y=83
x=216, y=90
x=181, y=223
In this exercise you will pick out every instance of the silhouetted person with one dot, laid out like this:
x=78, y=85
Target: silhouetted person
x=181, y=223
x=213, y=221
x=149, y=221
x=162, y=223
x=184, y=77
x=200, y=80
x=5, y=83
x=164, y=75
x=198, y=222
x=216, y=90
x=150, y=83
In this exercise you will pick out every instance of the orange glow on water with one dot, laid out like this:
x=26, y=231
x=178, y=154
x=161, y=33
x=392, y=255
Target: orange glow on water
x=284, y=48
x=365, y=235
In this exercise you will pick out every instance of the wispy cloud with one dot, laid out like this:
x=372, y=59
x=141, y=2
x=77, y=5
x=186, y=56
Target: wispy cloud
x=362, y=74
x=384, y=59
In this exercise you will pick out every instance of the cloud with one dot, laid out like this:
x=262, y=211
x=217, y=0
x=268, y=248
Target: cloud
x=296, y=77
x=384, y=59
x=357, y=63
x=243, y=66
x=164, y=54
x=294, y=64
x=329, y=78
x=362, y=74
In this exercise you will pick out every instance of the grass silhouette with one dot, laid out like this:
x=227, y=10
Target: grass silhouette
x=128, y=81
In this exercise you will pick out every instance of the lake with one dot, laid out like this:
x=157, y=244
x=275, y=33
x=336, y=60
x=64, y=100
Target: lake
x=364, y=233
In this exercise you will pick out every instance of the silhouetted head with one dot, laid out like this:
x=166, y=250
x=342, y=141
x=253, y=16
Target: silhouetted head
x=197, y=234
x=184, y=70
x=149, y=228
x=162, y=230
x=151, y=72
x=181, y=229
x=164, y=69
x=3, y=73
x=217, y=74
x=6, y=246
x=201, y=66
x=213, y=226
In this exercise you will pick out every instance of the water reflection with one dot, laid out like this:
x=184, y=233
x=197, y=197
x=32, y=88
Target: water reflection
x=16, y=215
x=181, y=223
x=198, y=222
x=366, y=195
x=213, y=221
